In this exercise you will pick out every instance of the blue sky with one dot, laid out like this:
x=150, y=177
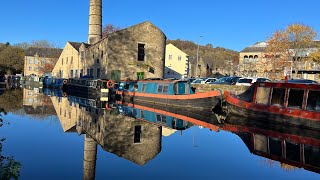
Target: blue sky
x=232, y=24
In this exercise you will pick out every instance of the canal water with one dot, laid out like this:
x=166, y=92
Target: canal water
x=52, y=137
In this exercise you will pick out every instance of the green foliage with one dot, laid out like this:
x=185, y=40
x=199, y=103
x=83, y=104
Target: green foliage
x=11, y=100
x=11, y=58
x=214, y=57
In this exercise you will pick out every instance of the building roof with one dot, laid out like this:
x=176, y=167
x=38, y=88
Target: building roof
x=257, y=47
x=77, y=45
x=44, y=52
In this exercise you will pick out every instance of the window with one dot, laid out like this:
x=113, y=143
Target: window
x=98, y=61
x=98, y=72
x=76, y=74
x=262, y=96
x=170, y=57
x=101, y=54
x=137, y=134
x=62, y=61
x=36, y=61
x=278, y=96
x=142, y=114
x=71, y=59
x=30, y=68
x=161, y=119
x=179, y=58
x=43, y=61
x=67, y=61
x=88, y=72
x=295, y=99
x=292, y=151
x=71, y=73
x=144, y=86
x=165, y=89
x=275, y=147
x=160, y=87
x=81, y=72
x=91, y=72
x=141, y=52
x=69, y=115
x=30, y=61
x=313, y=103
x=93, y=56
x=82, y=55
x=140, y=75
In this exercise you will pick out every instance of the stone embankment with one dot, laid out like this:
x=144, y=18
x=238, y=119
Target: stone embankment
x=231, y=88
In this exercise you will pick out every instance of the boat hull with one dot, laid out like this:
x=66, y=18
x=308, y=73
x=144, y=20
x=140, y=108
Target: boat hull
x=270, y=114
x=198, y=102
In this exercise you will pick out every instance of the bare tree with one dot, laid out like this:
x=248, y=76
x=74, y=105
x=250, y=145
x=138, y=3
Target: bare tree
x=108, y=29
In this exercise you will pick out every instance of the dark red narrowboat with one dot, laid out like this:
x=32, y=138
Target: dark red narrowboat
x=280, y=102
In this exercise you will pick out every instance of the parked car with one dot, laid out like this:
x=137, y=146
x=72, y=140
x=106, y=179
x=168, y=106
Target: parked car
x=250, y=80
x=197, y=81
x=227, y=80
x=209, y=80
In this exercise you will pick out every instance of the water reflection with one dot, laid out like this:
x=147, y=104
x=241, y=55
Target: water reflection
x=134, y=131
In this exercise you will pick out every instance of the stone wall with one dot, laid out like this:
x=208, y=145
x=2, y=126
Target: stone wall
x=119, y=52
x=231, y=88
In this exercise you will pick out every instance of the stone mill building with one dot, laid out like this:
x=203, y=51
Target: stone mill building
x=136, y=52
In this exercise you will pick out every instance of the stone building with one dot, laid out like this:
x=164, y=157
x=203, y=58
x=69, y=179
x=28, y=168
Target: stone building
x=137, y=52
x=36, y=103
x=254, y=62
x=68, y=64
x=38, y=59
x=177, y=63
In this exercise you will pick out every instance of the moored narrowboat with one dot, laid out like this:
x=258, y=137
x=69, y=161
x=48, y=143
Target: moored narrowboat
x=83, y=87
x=279, y=102
x=168, y=93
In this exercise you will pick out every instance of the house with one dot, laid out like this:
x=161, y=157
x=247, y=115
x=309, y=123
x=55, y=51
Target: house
x=39, y=61
x=177, y=63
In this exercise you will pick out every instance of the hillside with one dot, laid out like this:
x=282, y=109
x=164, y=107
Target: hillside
x=214, y=57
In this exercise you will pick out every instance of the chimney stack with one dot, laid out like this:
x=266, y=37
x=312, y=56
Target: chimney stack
x=95, y=21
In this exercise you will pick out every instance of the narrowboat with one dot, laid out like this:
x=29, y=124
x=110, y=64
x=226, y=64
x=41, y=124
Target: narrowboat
x=292, y=147
x=280, y=102
x=3, y=83
x=83, y=87
x=169, y=93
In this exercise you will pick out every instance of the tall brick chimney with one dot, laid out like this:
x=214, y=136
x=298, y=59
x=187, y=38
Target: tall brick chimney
x=95, y=21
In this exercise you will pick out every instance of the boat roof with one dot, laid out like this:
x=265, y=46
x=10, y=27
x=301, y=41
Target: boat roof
x=309, y=86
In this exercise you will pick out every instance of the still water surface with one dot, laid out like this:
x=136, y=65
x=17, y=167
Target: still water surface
x=56, y=138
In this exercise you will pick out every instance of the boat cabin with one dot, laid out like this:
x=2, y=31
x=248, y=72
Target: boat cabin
x=158, y=87
x=93, y=83
x=284, y=95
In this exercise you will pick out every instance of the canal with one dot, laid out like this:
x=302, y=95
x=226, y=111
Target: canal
x=52, y=137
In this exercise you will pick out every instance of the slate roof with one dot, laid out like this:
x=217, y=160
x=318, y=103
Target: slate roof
x=77, y=45
x=44, y=52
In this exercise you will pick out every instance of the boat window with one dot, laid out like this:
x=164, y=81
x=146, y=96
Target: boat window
x=311, y=155
x=262, y=96
x=161, y=119
x=260, y=143
x=275, y=147
x=142, y=114
x=144, y=86
x=160, y=88
x=278, y=96
x=313, y=103
x=295, y=99
x=292, y=151
x=165, y=89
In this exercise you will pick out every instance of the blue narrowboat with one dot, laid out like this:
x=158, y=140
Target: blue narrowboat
x=168, y=93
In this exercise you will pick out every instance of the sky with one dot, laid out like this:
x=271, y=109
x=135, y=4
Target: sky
x=232, y=24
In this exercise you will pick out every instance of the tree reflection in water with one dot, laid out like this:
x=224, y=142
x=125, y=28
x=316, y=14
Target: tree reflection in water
x=9, y=168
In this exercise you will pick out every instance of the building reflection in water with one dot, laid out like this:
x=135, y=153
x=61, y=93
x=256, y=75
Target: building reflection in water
x=36, y=103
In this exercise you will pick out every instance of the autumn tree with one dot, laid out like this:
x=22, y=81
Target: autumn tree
x=290, y=47
x=108, y=29
x=11, y=59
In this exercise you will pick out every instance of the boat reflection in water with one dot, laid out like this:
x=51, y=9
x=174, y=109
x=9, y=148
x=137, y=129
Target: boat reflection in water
x=134, y=132
x=293, y=147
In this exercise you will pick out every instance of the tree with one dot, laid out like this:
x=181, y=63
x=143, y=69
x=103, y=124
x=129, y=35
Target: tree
x=108, y=29
x=12, y=59
x=290, y=47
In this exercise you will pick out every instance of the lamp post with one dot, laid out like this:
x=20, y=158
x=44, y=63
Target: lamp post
x=197, y=67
